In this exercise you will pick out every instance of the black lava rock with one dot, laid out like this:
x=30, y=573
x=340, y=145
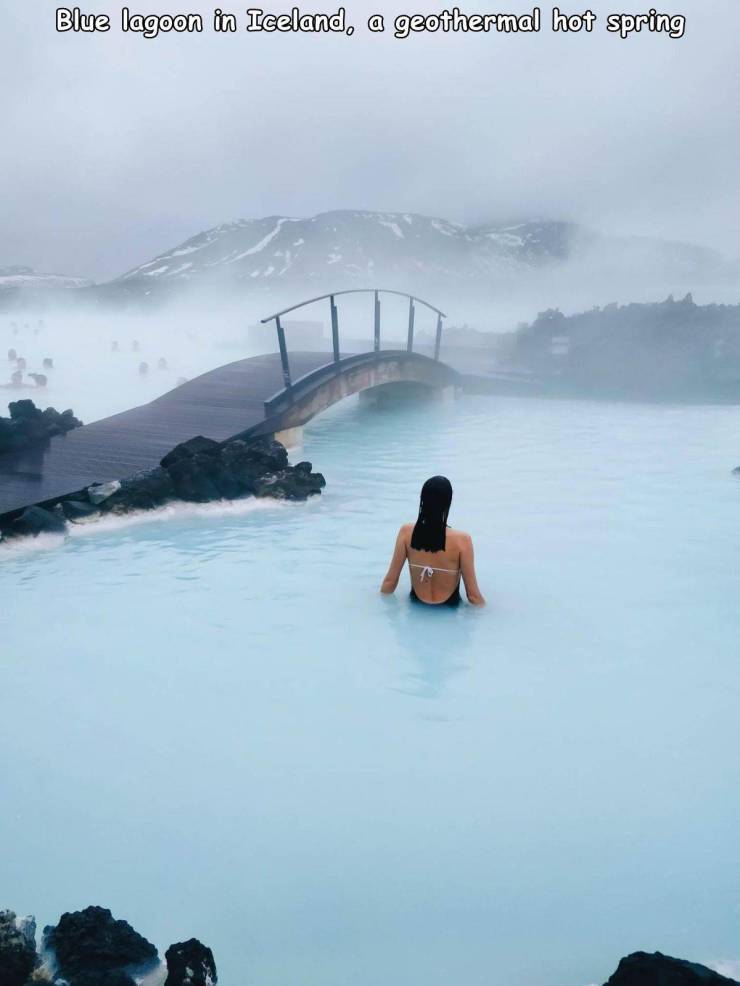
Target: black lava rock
x=190, y=963
x=75, y=510
x=645, y=969
x=17, y=949
x=268, y=454
x=290, y=484
x=92, y=941
x=247, y=462
x=188, y=450
x=111, y=977
x=193, y=480
x=202, y=470
x=36, y=520
x=141, y=491
x=193, y=467
x=27, y=425
x=24, y=410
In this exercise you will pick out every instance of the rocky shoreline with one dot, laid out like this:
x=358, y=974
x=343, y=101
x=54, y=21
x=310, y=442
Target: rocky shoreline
x=92, y=948
x=200, y=470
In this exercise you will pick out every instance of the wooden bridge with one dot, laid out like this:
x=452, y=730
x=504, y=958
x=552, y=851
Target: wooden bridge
x=264, y=395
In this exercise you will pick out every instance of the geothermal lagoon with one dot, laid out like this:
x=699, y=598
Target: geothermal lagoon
x=213, y=724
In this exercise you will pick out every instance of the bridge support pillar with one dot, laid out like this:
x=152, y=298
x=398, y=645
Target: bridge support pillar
x=290, y=437
x=384, y=395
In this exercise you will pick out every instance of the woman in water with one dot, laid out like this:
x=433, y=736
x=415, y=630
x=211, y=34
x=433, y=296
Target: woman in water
x=438, y=556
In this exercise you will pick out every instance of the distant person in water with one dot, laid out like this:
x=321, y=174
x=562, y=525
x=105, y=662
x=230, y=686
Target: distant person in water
x=438, y=555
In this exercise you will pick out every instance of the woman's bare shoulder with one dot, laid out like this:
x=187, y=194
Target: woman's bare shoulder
x=459, y=537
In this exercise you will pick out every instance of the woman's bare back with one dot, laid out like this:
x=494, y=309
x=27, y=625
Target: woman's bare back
x=435, y=575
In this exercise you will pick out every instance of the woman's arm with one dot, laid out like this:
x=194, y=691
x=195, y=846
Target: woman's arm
x=467, y=566
x=394, y=569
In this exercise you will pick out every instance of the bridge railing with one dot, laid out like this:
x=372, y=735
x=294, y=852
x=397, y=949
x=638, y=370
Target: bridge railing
x=334, y=314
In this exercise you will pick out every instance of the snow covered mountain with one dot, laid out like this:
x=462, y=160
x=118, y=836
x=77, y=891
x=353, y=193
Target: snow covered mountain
x=340, y=248
x=407, y=251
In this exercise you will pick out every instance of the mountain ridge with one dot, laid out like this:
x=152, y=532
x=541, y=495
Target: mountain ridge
x=356, y=243
x=410, y=252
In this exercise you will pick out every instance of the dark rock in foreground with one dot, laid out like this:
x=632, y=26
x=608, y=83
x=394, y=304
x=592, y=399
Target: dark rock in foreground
x=190, y=964
x=92, y=941
x=27, y=425
x=17, y=949
x=112, y=977
x=91, y=948
x=76, y=510
x=141, y=491
x=656, y=969
x=36, y=520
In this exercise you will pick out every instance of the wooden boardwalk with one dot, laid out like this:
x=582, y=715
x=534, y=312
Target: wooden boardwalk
x=218, y=404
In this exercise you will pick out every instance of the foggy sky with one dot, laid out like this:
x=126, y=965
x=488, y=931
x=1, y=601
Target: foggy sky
x=118, y=147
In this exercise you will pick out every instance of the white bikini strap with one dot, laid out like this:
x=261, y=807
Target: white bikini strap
x=427, y=571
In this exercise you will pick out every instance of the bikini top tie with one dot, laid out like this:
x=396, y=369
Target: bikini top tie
x=427, y=571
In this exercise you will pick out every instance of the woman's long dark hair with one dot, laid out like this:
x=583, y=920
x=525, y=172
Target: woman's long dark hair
x=430, y=530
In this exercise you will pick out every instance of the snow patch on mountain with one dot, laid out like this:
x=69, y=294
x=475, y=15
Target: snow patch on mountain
x=26, y=277
x=393, y=227
x=263, y=242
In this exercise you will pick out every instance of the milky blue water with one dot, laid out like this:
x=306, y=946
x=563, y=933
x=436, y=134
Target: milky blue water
x=214, y=724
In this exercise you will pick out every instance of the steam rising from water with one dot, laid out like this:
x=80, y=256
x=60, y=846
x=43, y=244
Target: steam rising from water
x=114, y=524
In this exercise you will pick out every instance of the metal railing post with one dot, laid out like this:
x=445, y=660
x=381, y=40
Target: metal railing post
x=334, y=329
x=283, y=352
x=410, y=341
x=337, y=356
x=376, y=336
x=438, y=339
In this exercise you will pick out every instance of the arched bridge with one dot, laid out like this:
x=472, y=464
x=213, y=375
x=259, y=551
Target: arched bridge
x=270, y=394
x=342, y=375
